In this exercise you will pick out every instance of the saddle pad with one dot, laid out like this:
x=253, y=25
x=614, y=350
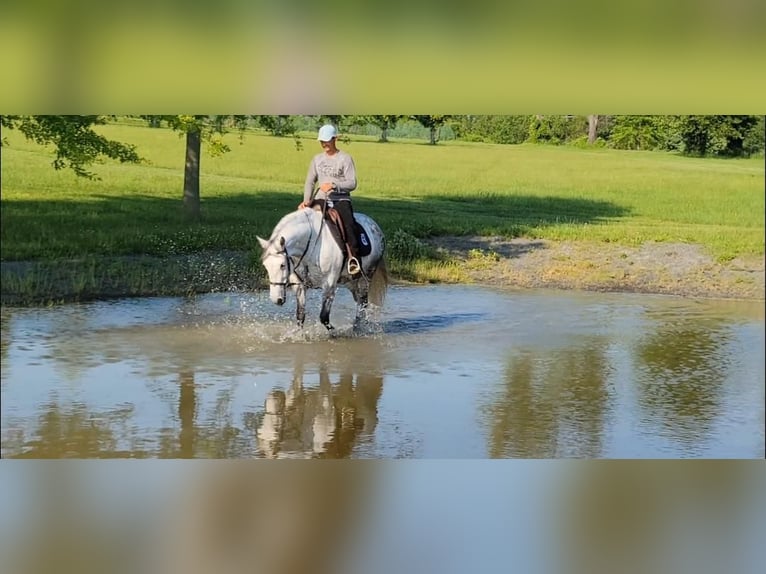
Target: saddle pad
x=364, y=247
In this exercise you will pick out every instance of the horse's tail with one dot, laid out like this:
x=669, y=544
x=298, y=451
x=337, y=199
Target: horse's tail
x=379, y=284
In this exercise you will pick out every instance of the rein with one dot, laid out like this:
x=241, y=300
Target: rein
x=289, y=261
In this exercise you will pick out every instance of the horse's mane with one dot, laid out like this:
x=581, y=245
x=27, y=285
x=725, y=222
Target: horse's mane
x=289, y=219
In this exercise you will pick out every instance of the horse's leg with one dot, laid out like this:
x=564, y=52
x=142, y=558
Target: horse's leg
x=360, y=290
x=327, y=298
x=300, y=309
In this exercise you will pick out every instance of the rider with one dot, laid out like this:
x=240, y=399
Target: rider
x=335, y=172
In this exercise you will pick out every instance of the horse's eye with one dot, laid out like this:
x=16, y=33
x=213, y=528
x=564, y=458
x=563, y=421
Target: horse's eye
x=282, y=266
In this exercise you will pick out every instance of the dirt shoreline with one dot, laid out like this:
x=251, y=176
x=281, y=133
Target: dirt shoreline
x=661, y=268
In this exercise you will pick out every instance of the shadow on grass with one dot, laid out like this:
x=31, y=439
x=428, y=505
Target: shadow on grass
x=486, y=246
x=144, y=225
x=115, y=246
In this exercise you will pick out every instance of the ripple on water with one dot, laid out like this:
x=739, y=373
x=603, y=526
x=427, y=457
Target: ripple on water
x=442, y=371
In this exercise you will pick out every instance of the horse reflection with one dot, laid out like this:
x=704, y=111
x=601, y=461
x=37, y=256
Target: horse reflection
x=322, y=421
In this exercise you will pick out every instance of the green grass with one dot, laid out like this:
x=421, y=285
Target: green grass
x=52, y=281
x=559, y=193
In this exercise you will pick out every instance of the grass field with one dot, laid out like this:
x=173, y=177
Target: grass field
x=451, y=189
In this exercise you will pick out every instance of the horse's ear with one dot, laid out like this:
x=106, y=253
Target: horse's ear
x=263, y=242
x=282, y=242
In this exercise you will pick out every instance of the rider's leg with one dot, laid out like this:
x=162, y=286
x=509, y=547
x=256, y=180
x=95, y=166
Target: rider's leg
x=347, y=215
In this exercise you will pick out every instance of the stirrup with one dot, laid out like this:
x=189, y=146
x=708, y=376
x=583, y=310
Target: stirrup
x=353, y=266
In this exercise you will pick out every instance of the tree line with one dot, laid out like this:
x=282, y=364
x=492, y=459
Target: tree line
x=694, y=135
x=77, y=145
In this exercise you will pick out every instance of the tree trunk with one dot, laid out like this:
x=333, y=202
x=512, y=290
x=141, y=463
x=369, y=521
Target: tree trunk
x=432, y=134
x=384, y=135
x=191, y=174
x=592, y=127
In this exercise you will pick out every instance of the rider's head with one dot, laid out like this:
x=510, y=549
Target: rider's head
x=327, y=136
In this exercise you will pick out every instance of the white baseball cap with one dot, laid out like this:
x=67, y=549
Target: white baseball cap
x=326, y=133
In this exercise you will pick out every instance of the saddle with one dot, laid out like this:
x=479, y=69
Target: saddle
x=337, y=229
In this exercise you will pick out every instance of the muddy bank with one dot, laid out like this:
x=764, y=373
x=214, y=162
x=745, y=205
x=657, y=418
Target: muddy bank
x=663, y=268
x=666, y=268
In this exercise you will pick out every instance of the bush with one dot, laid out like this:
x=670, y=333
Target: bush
x=557, y=129
x=403, y=246
x=503, y=129
x=582, y=142
x=634, y=132
x=754, y=141
x=719, y=135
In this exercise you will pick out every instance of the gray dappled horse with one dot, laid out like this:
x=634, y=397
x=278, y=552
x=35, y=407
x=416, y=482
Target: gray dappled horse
x=302, y=253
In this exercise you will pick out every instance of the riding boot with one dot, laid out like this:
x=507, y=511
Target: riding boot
x=347, y=216
x=353, y=263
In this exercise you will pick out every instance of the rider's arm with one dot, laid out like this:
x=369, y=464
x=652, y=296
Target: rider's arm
x=347, y=183
x=311, y=179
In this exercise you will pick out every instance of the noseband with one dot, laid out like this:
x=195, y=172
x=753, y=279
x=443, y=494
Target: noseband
x=289, y=262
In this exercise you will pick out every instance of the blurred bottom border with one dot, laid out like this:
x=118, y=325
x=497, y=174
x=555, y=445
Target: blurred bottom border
x=382, y=516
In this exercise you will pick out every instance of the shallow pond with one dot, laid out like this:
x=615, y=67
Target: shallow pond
x=446, y=372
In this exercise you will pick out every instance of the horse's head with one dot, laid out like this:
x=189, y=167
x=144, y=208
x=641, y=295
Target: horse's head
x=277, y=264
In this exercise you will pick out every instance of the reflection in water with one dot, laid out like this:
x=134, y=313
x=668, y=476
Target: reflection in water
x=187, y=410
x=468, y=373
x=297, y=418
x=322, y=420
x=72, y=432
x=683, y=367
x=551, y=405
x=5, y=333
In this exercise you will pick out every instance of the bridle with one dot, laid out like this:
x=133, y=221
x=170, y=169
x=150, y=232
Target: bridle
x=289, y=262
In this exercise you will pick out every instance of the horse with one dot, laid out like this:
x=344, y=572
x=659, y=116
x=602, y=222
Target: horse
x=302, y=253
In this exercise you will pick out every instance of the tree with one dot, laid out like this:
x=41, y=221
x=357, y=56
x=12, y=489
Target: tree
x=344, y=123
x=191, y=173
x=339, y=121
x=433, y=123
x=385, y=123
x=278, y=125
x=716, y=135
x=592, y=128
x=77, y=144
x=209, y=129
x=557, y=129
x=199, y=128
x=502, y=129
x=637, y=133
x=755, y=139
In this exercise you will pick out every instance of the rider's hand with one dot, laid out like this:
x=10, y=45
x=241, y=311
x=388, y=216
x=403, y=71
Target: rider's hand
x=327, y=186
x=302, y=204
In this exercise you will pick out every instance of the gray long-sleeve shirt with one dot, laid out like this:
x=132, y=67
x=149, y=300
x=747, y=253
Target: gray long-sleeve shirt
x=338, y=169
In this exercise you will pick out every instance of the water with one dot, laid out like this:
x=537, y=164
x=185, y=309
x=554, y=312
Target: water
x=447, y=372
